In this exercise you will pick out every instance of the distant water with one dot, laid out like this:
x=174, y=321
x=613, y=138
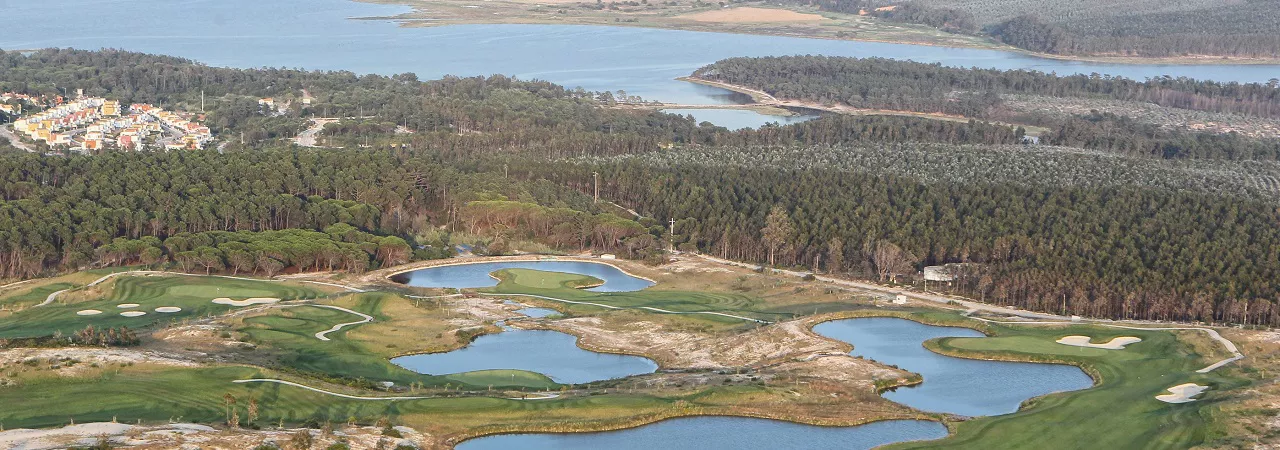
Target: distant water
x=538, y=312
x=734, y=119
x=550, y=353
x=316, y=34
x=952, y=385
x=477, y=275
x=708, y=433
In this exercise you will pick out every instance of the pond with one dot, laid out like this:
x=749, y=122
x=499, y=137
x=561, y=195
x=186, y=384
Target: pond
x=477, y=275
x=724, y=432
x=550, y=353
x=952, y=385
x=538, y=313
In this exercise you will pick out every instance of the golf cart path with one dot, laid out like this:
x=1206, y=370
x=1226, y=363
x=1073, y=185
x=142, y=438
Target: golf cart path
x=322, y=391
x=647, y=308
x=324, y=335
x=538, y=396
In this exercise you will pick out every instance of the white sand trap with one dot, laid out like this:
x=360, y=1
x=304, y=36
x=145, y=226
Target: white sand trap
x=133, y=313
x=1182, y=393
x=88, y=312
x=168, y=309
x=247, y=301
x=1114, y=344
x=127, y=305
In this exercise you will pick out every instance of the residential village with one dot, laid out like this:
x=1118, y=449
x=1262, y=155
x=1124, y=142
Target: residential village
x=90, y=124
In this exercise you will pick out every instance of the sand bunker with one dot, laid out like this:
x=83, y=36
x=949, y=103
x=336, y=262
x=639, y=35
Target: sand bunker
x=1182, y=393
x=247, y=301
x=133, y=313
x=1114, y=344
x=750, y=15
x=127, y=305
x=168, y=309
x=88, y=312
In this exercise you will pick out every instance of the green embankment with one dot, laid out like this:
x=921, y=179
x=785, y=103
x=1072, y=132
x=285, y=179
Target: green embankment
x=289, y=336
x=193, y=294
x=1120, y=411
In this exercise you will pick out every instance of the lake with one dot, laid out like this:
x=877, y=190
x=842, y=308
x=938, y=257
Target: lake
x=550, y=353
x=317, y=34
x=966, y=387
x=476, y=275
x=721, y=433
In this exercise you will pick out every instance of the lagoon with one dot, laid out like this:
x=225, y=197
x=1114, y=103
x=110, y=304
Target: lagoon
x=319, y=34
x=952, y=385
x=550, y=353
x=477, y=275
x=703, y=433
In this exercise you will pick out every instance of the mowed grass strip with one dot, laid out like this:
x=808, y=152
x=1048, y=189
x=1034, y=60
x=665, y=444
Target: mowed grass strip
x=563, y=286
x=1120, y=411
x=191, y=293
x=287, y=335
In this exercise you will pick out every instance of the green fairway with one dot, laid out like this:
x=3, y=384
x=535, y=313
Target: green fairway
x=193, y=294
x=562, y=286
x=288, y=335
x=33, y=295
x=1120, y=411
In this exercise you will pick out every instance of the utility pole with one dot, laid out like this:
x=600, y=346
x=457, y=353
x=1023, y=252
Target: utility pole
x=202, y=100
x=672, y=242
x=596, y=176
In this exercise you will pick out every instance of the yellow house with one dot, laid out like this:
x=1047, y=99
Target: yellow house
x=111, y=108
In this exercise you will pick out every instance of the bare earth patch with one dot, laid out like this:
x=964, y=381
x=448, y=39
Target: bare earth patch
x=751, y=15
x=85, y=357
x=187, y=435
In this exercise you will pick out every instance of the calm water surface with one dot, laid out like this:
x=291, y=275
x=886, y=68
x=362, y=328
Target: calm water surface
x=952, y=385
x=550, y=353
x=707, y=433
x=317, y=34
x=734, y=119
x=538, y=312
x=477, y=275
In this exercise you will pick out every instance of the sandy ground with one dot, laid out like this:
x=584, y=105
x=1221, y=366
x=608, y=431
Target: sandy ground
x=246, y=302
x=1182, y=393
x=1084, y=341
x=85, y=357
x=749, y=14
x=694, y=266
x=193, y=436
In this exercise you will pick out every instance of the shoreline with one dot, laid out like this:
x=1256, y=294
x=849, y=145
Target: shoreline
x=981, y=43
x=422, y=265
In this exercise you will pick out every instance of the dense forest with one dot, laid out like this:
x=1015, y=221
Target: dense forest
x=877, y=83
x=1062, y=229
x=1144, y=28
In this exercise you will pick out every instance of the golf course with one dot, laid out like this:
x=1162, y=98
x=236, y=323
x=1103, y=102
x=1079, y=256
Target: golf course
x=727, y=342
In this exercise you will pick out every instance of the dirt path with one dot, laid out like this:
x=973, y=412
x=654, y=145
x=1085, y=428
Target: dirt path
x=13, y=139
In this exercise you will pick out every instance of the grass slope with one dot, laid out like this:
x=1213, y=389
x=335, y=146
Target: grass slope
x=1120, y=411
x=193, y=294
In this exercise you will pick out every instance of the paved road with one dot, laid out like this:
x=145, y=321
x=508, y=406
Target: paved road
x=6, y=132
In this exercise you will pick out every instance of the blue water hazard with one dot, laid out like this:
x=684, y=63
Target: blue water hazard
x=478, y=275
x=966, y=387
x=707, y=433
x=550, y=353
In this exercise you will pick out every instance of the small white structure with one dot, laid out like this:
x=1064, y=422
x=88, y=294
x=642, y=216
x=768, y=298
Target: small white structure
x=900, y=299
x=608, y=256
x=938, y=273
